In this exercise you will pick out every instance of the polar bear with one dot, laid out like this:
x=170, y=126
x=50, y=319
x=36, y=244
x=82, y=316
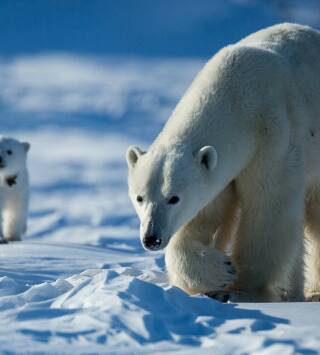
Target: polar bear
x=14, y=189
x=238, y=161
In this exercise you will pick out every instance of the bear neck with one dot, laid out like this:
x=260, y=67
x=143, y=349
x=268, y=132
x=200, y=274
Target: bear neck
x=206, y=118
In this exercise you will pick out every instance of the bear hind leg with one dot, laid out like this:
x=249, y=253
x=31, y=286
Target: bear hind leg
x=312, y=288
x=269, y=241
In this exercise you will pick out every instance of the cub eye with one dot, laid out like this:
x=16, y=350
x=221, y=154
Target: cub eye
x=173, y=200
x=9, y=152
x=139, y=198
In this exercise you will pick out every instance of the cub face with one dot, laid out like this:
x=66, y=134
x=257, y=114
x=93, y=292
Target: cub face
x=168, y=189
x=12, y=156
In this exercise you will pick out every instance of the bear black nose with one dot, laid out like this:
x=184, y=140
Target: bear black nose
x=152, y=242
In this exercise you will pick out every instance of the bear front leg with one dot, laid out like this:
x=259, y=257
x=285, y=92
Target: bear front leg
x=14, y=221
x=195, y=257
x=2, y=240
x=196, y=267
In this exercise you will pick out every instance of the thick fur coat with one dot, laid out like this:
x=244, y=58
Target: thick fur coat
x=239, y=160
x=14, y=189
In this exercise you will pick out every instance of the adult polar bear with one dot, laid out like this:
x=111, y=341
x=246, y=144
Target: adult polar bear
x=245, y=137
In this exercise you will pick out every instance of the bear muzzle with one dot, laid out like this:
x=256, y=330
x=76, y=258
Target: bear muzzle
x=2, y=164
x=152, y=242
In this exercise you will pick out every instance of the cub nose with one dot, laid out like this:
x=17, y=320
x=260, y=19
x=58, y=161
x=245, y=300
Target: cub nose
x=152, y=242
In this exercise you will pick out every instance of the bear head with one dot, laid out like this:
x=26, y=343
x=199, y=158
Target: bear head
x=168, y=187
x=12, y=156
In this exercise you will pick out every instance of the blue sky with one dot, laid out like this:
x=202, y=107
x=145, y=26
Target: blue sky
x=159, y=28
x=108, y=64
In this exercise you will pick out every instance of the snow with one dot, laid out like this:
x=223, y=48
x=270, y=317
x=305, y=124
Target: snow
x=80, y=281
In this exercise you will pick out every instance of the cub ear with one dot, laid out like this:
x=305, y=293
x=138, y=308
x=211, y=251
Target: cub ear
x=26, y=146
x=132, y=155
x=207, y=157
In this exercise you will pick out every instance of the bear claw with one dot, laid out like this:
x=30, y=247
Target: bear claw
x=219, y=296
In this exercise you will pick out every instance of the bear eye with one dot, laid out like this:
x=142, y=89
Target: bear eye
x=139, y=198
x=173, y=200
x=9, y=152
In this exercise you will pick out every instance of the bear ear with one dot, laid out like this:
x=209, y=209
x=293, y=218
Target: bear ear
x=26, y=146
x=208, y=157
x=133, y=154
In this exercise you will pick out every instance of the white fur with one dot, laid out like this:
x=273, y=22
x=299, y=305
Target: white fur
x=13, y=199
x=255, y=107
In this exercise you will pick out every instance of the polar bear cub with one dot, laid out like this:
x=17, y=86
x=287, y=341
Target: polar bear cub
x=14, y=188
x=239, y=159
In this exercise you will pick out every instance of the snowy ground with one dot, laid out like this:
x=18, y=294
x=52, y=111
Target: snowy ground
x=80, y=281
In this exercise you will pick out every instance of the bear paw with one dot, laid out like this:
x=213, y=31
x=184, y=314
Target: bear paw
x=313, y=297
x=222, y=275
x=227, y=272
x=12, y=238
x=245, y=296
x=227, y=296
x=218, y=272
x=205, y=270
